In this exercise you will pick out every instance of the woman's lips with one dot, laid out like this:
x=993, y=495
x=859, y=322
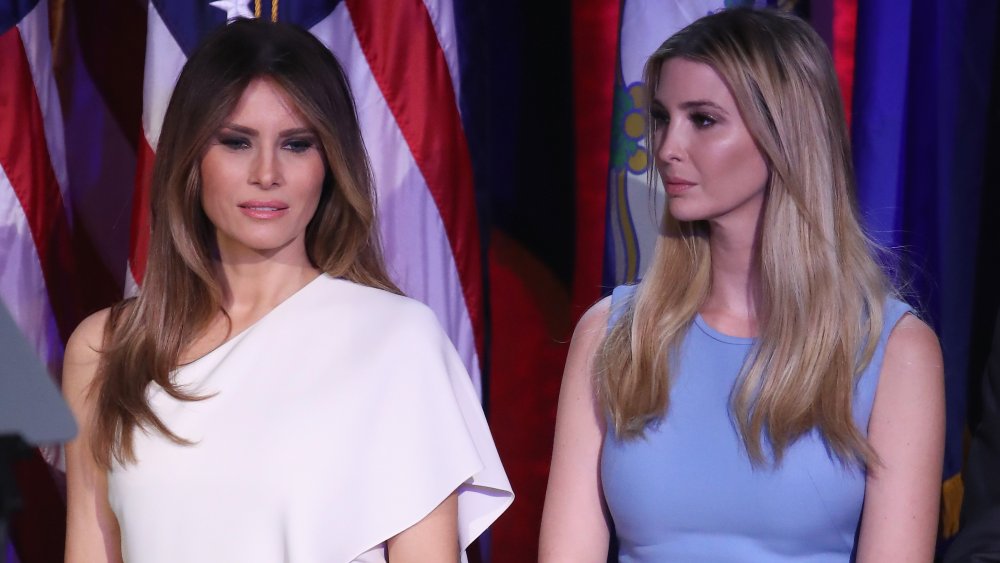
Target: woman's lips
x=264, y=209
x=676, y=186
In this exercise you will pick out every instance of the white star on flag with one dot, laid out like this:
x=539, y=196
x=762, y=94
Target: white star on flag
x=234, y=8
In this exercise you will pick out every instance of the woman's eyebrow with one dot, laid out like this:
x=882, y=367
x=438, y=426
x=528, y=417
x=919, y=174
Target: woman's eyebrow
x=700, y=104
x=250, y=131
x=240, y=129
x=296, y=131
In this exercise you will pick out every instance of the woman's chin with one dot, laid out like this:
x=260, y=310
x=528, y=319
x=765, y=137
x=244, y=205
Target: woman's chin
x=684, y=213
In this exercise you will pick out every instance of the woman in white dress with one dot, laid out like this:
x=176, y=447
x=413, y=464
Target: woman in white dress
x=270, y=395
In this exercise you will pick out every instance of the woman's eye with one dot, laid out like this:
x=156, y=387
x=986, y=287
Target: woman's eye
x=235, y=143
x=702, y=121
x=299, y=145
x=660, y=118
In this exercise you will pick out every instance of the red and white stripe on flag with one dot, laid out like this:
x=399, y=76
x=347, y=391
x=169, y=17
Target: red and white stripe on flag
x=401, y=60
x=36, y=265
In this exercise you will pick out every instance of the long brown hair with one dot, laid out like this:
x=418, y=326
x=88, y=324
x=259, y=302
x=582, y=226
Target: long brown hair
x=821, y=287
x=180, y=294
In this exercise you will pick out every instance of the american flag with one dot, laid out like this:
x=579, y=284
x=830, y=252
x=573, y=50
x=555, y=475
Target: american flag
x=35, y=218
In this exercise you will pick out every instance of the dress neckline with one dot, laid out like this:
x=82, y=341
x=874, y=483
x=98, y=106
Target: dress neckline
x=232, y=340
x=724, y=338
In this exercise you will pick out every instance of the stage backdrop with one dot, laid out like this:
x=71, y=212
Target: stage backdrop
x=507, y=143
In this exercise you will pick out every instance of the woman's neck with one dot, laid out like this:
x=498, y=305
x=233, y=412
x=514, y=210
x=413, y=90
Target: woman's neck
x=730, y=306
x=251, y=289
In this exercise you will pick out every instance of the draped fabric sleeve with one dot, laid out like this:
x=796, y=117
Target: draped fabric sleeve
x=425, y=432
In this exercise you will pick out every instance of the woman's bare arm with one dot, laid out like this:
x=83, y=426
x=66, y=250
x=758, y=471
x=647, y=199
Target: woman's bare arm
x=906, y=429
x=434, y=539
x=574, y=521
x=92, y=534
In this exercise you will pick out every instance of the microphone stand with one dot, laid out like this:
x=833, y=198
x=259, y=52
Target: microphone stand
x=32, y=413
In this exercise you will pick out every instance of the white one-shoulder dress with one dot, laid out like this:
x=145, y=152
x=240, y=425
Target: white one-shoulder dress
x=340, y=419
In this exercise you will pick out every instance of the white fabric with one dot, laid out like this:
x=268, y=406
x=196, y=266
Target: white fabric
x=164, y=61
x=338, y=420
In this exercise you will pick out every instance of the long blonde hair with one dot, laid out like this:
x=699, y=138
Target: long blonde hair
x=180, y=295
x=821, y=288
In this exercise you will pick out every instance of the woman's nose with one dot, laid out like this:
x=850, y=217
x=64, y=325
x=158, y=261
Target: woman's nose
x=266, y=170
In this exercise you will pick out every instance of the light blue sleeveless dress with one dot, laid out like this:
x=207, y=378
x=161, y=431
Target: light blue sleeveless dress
x=686, y=491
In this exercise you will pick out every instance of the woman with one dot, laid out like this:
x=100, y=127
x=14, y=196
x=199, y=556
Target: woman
x=270, y=395
x=761, y=385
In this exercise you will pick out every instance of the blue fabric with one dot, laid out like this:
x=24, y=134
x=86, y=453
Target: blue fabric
x=921, y=115
x=686, y=490
x=13, y=11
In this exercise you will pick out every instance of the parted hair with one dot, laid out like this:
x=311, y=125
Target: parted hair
x=820, y=285
x=180, y=295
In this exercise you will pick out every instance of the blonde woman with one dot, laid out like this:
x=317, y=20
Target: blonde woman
x=270, y=395
x=762, y=394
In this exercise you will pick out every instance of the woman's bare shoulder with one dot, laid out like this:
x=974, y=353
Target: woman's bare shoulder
x=913, y=350
x=89, y=334
x=83, y=352
x=594, y=322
